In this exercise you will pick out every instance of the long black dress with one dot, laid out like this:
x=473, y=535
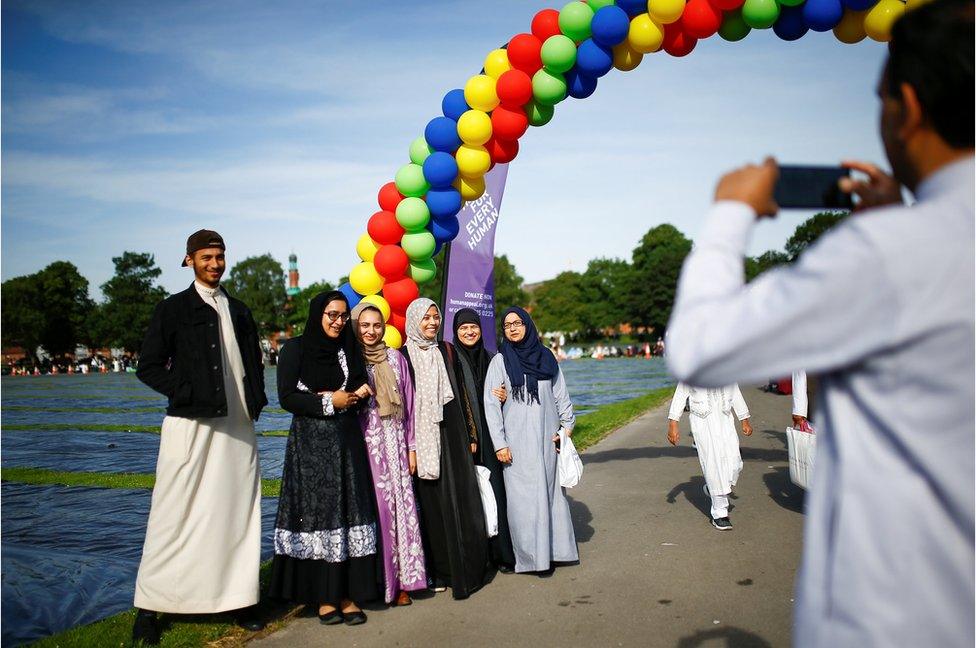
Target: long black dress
x=452, y=519
x=473, y=381
x=325, y=534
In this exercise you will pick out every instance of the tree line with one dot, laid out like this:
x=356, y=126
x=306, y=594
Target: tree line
x=52, y=308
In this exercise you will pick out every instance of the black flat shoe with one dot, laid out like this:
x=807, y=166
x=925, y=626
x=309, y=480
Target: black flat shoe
x=332, y=618
x=547, y=573
x=506, y=569
x=250, y=624
x=145, y=630
x=355, y=618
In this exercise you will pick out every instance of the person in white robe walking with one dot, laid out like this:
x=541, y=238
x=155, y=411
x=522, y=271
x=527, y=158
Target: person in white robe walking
x=715, y=440
x=203, y=540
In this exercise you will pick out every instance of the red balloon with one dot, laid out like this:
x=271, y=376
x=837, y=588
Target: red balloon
x=502, y=150
x=514, y=88
x=391, y=261
x=700, y=19
x=398, y=321
x=384, y=228
x=546, y=24
x=525, y=53
x=676, y=41
x=399, y=294
x=508, y=123
x=389, y=197
x=727, y=5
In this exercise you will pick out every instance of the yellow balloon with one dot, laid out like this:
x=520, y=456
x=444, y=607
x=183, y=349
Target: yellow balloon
x=880, y=18
x=850, y=29
x=380, y=303
x=392, y=337
x=474, y=127
x=365, y=280
x=496, y=63
x=625, y=58
x=470, y=188
x=366, y=247
x=665, y=12
x=645, y=35
x=480, y=94
x=473, y=161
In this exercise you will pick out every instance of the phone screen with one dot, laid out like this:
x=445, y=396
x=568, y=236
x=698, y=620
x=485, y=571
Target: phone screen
x=811, y=187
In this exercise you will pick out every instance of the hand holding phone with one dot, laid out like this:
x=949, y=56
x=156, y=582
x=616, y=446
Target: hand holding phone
x=812, y=187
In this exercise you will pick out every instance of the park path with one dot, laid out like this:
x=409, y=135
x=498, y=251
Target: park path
x=653, y=572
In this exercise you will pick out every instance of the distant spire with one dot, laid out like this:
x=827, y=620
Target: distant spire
x=293, y=288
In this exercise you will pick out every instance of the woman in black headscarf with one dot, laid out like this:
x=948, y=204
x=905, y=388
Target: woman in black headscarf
x=471, y=369
x=325, y=536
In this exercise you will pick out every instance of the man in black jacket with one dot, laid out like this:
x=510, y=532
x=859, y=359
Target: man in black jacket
x=203, y=539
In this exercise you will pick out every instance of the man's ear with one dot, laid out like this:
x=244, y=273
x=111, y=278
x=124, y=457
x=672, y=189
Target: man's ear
x=188, y=261
x=912, y=115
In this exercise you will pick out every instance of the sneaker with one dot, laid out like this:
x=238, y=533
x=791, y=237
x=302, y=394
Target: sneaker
x=722, y=524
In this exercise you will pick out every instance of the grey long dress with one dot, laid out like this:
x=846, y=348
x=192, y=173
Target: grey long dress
x=538, y=513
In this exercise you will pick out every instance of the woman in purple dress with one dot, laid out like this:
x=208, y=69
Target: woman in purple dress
x=388, y=427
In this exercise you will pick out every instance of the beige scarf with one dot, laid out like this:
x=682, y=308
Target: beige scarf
x=387, y=391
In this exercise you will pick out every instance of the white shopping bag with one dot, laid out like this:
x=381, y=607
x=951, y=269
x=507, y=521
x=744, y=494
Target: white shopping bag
x=802, y=449
x=488, y=500
x=569, y=462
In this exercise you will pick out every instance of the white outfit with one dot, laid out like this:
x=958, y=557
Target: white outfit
x=881, y=309
x=716, y=439
x=800, y=404
x=203, y=541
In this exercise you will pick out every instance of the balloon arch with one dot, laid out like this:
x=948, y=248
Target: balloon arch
x=565, y=54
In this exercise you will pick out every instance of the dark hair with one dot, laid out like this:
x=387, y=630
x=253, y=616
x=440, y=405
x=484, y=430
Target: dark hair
x=931, y=50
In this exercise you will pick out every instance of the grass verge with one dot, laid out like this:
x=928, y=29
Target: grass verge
x=44, y=477
x=105, y=427
x=594, y=426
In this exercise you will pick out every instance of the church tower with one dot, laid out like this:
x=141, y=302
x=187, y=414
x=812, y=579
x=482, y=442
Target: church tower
x=293, y=288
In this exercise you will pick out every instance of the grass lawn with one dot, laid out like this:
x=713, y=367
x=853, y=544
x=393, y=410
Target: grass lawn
x=42, y=476
x=592, y=427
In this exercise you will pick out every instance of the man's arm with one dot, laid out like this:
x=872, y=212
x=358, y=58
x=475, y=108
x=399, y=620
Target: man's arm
x=154, y=358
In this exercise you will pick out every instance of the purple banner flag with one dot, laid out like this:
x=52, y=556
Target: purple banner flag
x=469, y=280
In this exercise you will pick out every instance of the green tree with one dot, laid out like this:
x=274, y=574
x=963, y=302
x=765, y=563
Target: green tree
x=653, y=282
x=22, y=317
x=765, y=261
x=297, y=308
x=130, y=298
x=605, y=295
x=259, y=282
x=508, y=285
x=810, y=230
x=559, y=304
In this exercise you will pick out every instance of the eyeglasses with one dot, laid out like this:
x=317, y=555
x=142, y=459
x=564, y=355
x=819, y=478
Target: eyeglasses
x=511, y=326
x=336, y=315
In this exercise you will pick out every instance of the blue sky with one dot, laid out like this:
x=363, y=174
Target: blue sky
x=128, y=125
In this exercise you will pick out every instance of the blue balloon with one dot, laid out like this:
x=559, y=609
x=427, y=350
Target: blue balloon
x=454, y=104
x=790, y=25
x=353, y=296
x=437, y=248
x=592, y=59
x=822, y=15
x=441, y=134
x=440, y=169
x=579, y=85
x=610, y=25
x=444, y=202
x=444, y=229
x=633, y=7
x=859, y=5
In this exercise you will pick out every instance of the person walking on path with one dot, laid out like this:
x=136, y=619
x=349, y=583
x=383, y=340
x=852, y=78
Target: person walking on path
x=451, y=515
x=325, y=537
x=473, y=361
x=881, y=310
x=203, y=540
x=387, y=424
x=525, y=432
x=715, y=440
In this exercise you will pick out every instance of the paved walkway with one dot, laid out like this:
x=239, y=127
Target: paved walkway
x=653, y=572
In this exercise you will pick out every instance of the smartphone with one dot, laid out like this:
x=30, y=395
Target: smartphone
x=811, y=187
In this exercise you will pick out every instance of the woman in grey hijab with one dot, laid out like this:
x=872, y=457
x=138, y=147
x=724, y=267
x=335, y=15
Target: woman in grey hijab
x=452, y=518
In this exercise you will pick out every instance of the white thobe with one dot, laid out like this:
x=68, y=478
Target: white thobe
x=800, y=404
x=716, y=439
x=203, y=541
x=881, y=309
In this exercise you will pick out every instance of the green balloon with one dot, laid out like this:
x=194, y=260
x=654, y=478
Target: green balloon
x=412, y=214
x=418, y=245
x=575, y=19
x=596, y=5
x=410, y=180
x=539, y=115
x=419, y=150
x=422, y=271
x=558, y=53
x=734, y=28
x=760, y=14
x=549, y=88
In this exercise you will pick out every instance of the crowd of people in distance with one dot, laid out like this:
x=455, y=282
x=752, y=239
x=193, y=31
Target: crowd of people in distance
x=48, y=366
